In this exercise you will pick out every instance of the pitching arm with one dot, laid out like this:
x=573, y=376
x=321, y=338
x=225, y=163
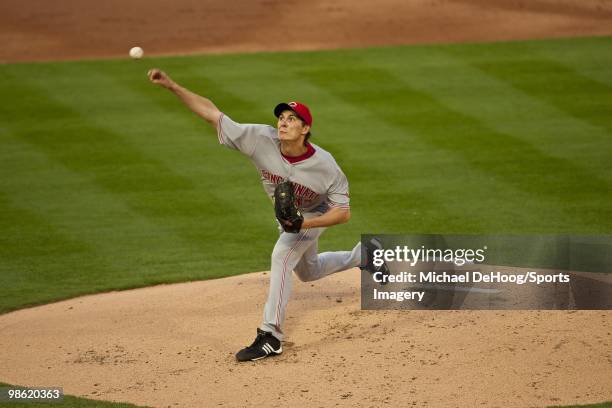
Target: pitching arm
x=200, y=105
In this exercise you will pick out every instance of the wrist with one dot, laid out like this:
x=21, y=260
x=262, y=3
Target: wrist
x=307, y=223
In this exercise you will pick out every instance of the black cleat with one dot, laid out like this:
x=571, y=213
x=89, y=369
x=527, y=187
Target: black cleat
x=265, y=345
x=370, y=246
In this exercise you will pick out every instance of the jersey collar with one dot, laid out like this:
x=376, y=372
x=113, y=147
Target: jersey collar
x=310, y=150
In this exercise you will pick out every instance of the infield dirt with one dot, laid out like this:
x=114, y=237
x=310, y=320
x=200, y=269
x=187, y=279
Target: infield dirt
x=34, y=30
x=174, y=345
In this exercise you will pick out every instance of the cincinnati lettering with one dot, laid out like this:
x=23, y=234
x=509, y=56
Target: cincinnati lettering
x=302, y=193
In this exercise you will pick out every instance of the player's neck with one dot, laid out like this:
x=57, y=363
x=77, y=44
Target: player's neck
x=293, y=148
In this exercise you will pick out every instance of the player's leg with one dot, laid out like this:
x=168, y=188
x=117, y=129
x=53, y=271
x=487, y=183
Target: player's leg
x=315, y=266
x=287, y=252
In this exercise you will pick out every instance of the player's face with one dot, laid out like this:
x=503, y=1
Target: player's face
x=291, y=127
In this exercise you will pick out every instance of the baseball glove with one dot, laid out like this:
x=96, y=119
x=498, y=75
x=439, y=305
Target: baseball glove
x=289, y=216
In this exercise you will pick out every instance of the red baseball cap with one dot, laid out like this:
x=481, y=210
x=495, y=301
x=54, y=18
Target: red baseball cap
x=299, y=108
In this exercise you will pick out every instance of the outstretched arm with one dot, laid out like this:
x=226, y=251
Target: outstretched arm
x=200, y=105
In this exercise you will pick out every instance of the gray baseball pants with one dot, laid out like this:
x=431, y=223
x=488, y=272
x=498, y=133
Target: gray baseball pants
x=298, y=252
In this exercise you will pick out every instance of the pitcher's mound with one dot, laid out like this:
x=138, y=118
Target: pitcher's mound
x=174, y=346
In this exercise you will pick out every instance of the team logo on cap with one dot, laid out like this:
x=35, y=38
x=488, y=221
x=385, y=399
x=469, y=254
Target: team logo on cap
x=292, y=104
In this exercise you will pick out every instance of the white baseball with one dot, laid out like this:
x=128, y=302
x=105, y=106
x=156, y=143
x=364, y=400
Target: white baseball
x=136, y=52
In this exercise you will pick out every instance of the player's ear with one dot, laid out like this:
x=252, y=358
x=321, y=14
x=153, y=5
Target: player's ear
x=305, y=129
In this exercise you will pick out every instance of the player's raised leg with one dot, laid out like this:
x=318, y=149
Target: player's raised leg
x=315, y=266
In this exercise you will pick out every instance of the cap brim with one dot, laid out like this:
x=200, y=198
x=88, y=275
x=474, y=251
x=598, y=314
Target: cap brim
x=281, y=107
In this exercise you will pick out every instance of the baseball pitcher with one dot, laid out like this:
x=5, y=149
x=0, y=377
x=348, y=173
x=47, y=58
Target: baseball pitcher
x=310, y=193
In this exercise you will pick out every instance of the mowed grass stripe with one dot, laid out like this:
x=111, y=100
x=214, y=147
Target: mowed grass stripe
x=157, y=197
x=125, y=250
x=184, y=144
x=71, y=138
x=222, y=178
x=503, y=107
x=589, y=57
x=511, y=160
x=33, y=236
x=90, y=241
x=568, y=83
x=30, y=247
x=574, y=94
x=474, y=93
x=109, y=164
x=141, y=251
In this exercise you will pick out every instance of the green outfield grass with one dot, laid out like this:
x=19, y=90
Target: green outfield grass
x=602, y=405
x=108, y=182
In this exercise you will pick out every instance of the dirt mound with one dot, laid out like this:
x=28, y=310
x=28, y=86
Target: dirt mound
x=174, y=345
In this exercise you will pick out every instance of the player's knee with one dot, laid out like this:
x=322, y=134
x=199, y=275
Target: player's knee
x=306, y=272
x=304, y=276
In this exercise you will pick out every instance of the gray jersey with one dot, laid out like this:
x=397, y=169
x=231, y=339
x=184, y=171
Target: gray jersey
x=319, y=182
